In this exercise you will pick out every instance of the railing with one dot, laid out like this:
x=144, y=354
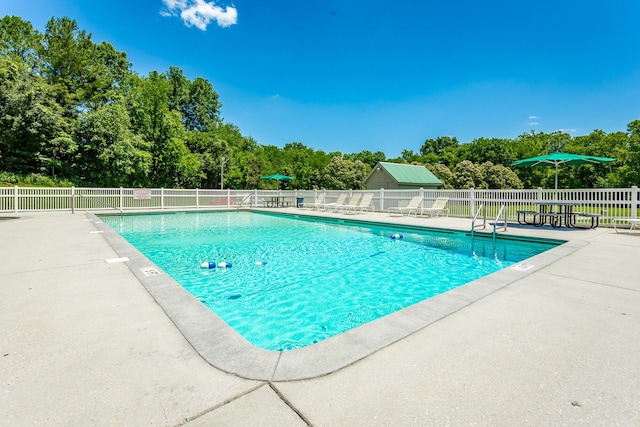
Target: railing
x=475, y=217
x=495, y=221
x=609, y=203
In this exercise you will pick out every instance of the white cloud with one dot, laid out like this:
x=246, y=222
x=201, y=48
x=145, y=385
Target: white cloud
x=568, y=130
x=534, y=118
x=200, y=13
x=532, y=123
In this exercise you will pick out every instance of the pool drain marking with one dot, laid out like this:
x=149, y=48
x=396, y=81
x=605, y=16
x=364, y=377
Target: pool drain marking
x=113, y=260
x=150, y=271
x=523, y=267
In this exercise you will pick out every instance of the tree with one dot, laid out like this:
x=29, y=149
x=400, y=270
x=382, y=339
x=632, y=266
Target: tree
x=632, y=176
x=29, y=119
x=173, y=164
x=67, y=54
x=495, y=150
x=109, y=154
x=436, y=146
x=499, y=177
x=19, y=42
x=409, y=156
x=343, y=174
x=443, y=173
x=83, y=74
x=469, y=175
x=202, y=107
x=367, y=157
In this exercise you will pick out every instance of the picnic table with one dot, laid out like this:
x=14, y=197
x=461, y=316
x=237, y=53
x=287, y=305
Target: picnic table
x=556, y=213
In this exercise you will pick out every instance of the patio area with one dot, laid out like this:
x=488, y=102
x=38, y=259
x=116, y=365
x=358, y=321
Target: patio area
x=83, y=343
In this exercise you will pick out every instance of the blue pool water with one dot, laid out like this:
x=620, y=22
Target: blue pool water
x=296, y=281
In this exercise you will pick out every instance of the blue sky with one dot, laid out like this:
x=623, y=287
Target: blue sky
x=350, y=75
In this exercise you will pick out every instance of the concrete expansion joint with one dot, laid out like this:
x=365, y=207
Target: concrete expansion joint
x=54, y=268
x=275, y=368
x=219, y=405
x=289, y=404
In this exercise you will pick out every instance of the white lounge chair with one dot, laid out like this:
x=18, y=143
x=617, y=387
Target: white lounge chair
x=363, y=205
x=438, y=207
x=352, y=204
x=413, y=206
x=333, y=205
x=631, y=221
x=315, y=204
x=245, y=202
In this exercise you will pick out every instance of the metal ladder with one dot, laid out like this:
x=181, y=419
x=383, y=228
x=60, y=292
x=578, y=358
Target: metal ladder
x=484, y=223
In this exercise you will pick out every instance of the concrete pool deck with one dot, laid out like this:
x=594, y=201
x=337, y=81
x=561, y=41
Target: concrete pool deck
x=83, y=343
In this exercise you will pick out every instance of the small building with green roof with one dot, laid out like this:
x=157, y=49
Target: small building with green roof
x=400, y=176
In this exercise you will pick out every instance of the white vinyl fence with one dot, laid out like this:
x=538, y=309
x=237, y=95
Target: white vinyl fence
x=609, y=203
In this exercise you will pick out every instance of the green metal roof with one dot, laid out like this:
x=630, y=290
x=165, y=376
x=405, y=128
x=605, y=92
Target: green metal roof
x=410, y=174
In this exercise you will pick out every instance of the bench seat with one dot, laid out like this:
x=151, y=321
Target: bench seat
x=552, y=218
x=595, y=218
x=522, y=217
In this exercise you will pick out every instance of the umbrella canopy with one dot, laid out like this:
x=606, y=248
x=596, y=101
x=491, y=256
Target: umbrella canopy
x=561, y=159
x=279, y=177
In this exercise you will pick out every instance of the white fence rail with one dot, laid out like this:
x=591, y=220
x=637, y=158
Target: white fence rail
x=609, y=203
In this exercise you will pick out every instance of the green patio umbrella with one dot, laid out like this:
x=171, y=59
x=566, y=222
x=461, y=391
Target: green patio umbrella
x=278, y=178
x=561, y=159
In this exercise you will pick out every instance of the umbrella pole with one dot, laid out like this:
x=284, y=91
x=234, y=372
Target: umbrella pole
x=556, y=192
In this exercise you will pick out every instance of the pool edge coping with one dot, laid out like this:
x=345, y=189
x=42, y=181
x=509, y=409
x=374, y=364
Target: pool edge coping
x=225, y=349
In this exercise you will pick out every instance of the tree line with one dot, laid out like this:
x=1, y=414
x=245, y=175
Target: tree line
x=74, y=112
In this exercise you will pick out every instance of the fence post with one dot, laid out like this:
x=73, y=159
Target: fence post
x=472, y=202
x=228, y=197
x=634, y=201
x=121, y=199
x=161, y=197
x=73, y=199
x=539, y=194
x=382, y=200
x=15, y=198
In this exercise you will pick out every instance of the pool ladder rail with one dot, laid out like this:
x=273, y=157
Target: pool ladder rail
x=484, y=223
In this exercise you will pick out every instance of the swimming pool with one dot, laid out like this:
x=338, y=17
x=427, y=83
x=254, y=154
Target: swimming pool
x=296, y=281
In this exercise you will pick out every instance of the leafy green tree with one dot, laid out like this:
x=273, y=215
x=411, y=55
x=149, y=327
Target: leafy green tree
x=109, y=153
x=296, y=162
x=178, y=89
x=235, y=148
x=438, y=145
x=631, y=174
x=58, y=156
x=29, y=119
x=469, y=175
x=495, y=150
x=19, y=42
x=209, y=149
x=67, y=54
x=410, y=156
x=83, y=74
x=201, y=111
x=443, y=173
x=343, y=174
x=367, y=157
x=173, y=164
x=499, y=177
